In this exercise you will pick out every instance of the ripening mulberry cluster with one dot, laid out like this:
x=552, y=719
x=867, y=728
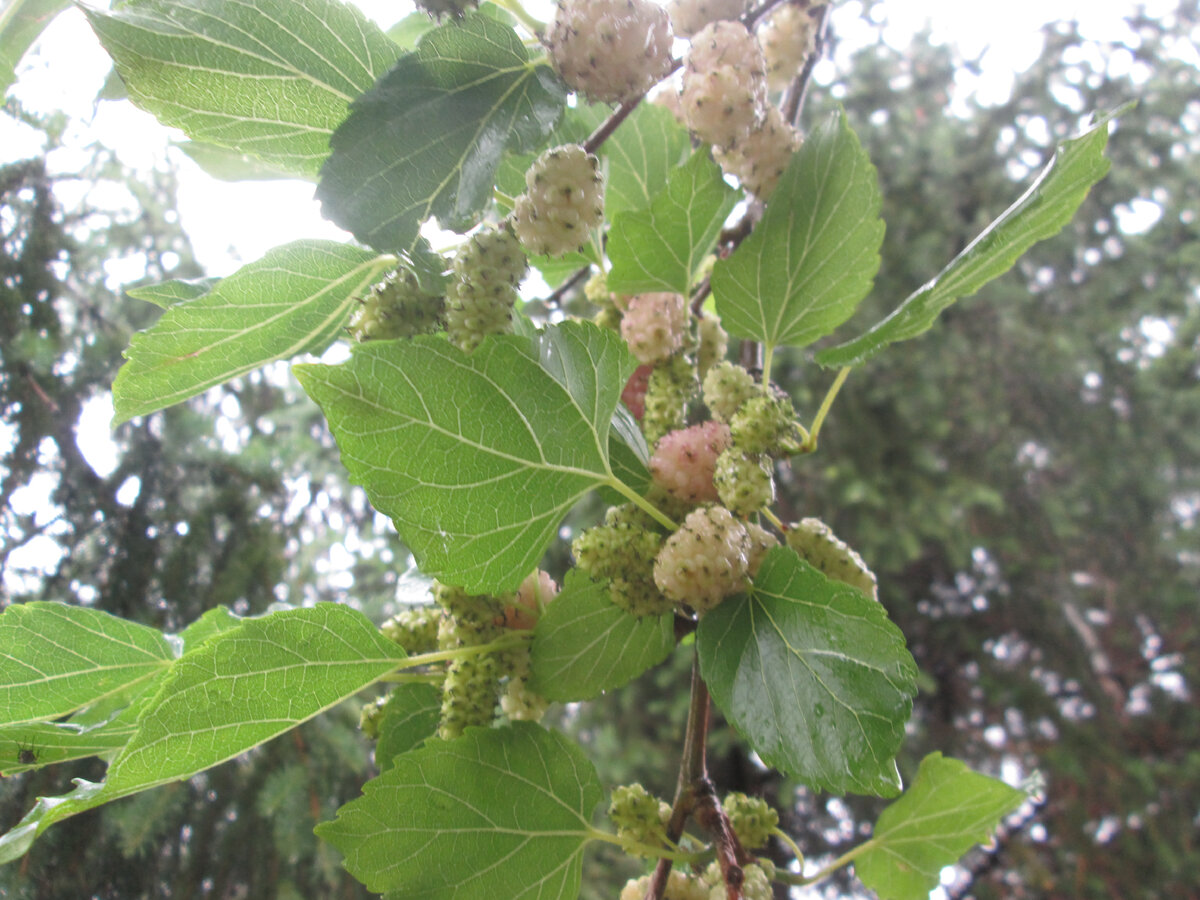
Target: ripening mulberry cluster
x=751, y=818
x=610, y=50
x=397, y=308
x=639, y=815
x=724, y=102
x=655, y=325
x=482, y=289
x=622, y=551
x=685, y=461
x=816, y=543
x=562, y=203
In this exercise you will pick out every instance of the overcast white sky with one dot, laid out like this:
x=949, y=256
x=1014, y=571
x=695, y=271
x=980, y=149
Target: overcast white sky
x=270, y=213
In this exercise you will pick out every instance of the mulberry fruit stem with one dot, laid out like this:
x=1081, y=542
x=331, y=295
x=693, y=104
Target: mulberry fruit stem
x=637, y=849
x=810, y=441
x=642, y=503
x=535, y=26
x=504, y=642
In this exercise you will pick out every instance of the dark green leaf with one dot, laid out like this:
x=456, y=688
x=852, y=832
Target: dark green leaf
x=946, y=811
x=1044, y=209
x=813, y=675
x=477, y=457
x=661, y=248
x=495, y=813
x=296, y=299
x=814, y=255
x=271, y=79
x=584, y=645
x=427, y=139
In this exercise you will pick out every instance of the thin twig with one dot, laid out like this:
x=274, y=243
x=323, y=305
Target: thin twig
x=555, y=298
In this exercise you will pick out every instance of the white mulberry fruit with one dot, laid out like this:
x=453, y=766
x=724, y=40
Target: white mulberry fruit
x=706, y=560
x=787, y=39
x=689, y=16
x=610, y=50
x=562, y=203
x=822, y=549
x=761, y=543
x=684, y=461
x=760, y=158
x=724, y=84
x=483, y=287
x=655, y=325
x=745, y=481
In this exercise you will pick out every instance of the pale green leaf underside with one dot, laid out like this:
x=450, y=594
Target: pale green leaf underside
x=584, y=645
x=946, y=811
x=1041, y=212
x=21, y=21
x=660, y=249
x=246, y=685
x=271, y=79
x=166, y=294
x=240, y=688
x=813, y=674
x=56, y=659
x=427, y=140
x=477, y=457
x=57, y=742
x=296, y=299
x=814, y=255
x=496, y=813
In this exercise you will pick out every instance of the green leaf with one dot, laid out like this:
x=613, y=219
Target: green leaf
x=583, y=645
x=1040, y=213
x=661, y=248
x=296, y=299
x=21, y=21
x=813, y=674
x=178, y=290
x=427, y=139
x=814, y=255
x=629, y=454
x=409, y=30
x=57, y=742
x=48, y=810
x=946, y=811
x=212, y=623
x=409, y=716
x=56, y=659
x=271, y=79
x=244, y=686
x=640, y=156
x=494, y=813
x=477, y=457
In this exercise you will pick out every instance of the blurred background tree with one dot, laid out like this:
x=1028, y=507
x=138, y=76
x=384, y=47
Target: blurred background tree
x=1025, y=480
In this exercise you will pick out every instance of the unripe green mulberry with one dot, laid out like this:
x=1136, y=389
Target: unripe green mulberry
x=482, y=289
x=639, y=815
x=745, y=481
x=766, y=424
x=726, y=387
x=397, y=308
x=756, y=881
x=471, y=618
x=680, y=886
x=369, y=717
x=706, y=560
x=623, y=550
x=752, y=819
x=562, y=203
x=671, y=387
x=820, y=547
x=469, y=694
x=519, y=702
x=415, y=630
